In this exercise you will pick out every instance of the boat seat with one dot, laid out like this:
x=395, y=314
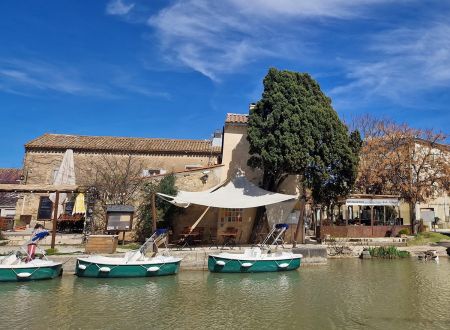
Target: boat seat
x=10, y=260
x=131, y=256
x=253, y=252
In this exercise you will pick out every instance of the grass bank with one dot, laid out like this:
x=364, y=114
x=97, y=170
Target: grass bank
x=388, y=252
x=427, y=237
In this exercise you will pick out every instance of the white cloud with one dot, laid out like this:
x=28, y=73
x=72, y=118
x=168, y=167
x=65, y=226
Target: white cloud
x=20, y=76
x=118, y=7
x=33, y=77
x=402, y=63
x=219, y=37
x=306, y=8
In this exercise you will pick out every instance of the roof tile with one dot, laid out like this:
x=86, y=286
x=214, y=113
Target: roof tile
x=121, y=144
x=10, y=175
x=235, y=118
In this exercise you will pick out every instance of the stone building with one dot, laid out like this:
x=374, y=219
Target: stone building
x=235, y=156
x=150, y=157
x=8, y=200
x=197, y=164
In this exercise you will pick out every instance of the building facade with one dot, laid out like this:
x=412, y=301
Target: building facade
x=92, y=154
x=199, y=165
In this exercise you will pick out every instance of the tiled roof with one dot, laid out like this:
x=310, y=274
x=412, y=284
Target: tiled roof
x=10, y=175
x=121, y=144
x=8, y=199
x=235, y=118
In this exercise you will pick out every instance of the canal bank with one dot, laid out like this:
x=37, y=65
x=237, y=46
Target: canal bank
x=197, y=258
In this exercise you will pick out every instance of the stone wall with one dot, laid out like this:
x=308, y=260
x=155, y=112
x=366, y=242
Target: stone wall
x=39, y=168
x=235, y=153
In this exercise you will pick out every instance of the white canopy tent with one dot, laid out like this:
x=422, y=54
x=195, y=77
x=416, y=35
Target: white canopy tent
x=238, y=193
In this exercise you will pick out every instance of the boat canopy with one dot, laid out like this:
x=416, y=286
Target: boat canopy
x=239, y=193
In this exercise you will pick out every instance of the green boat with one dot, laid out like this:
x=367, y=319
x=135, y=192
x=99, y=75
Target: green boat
x=131, y=265
x=13, y=269
x=253, y=261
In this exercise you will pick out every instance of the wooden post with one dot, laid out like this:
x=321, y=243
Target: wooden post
x=314, y=218
x=384, y=215
x=347, y=213
x=371, y=218
x=55, y=219
x=359, y=214
x=299, y=235
x=412, y=217
x=153, y=212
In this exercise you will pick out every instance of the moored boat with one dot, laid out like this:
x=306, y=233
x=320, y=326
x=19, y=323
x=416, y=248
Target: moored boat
x=133, y=264
x=21, y=265
x=14, y=269
x=253, y=261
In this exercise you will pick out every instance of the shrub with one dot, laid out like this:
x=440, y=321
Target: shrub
x=390, y=252
x=404, y=231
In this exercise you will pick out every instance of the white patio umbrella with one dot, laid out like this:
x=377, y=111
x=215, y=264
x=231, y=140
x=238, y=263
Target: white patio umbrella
x=65, y=175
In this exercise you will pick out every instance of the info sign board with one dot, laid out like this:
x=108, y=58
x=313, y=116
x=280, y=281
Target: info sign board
x=119, y=217
x=372, y=202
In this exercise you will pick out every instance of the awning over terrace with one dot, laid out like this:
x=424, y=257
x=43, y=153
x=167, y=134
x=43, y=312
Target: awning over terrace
x=238, y=193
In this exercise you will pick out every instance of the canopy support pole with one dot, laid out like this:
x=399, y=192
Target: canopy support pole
x=55, y=219
x=154, y=225
x=199, y=219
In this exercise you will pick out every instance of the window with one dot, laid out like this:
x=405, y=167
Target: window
x=68, y=206
x=153, y=171
x=232, y=215
x=45, y=208
x=192, y=167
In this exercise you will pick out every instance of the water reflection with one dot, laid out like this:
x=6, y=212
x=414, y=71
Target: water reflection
x=350, y=294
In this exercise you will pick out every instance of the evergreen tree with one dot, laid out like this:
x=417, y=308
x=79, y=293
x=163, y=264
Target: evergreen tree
x=294, y=130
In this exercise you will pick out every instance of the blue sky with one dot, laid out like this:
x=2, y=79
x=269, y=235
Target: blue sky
x=155, y=68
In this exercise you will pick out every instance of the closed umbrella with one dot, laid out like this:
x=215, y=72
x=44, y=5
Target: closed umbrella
x=79, y=206
x=65, y=175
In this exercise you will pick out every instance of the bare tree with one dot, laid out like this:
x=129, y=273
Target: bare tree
x=398, y=159
x=117, y=180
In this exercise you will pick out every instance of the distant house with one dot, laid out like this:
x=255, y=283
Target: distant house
x=8, y=200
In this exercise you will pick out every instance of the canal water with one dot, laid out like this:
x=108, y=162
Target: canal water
x=345, y=294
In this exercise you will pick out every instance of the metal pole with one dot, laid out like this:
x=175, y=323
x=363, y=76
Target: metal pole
x=55, y=219
x=153, y=212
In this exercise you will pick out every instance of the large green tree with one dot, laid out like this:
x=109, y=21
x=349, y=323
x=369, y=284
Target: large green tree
x=294, y=130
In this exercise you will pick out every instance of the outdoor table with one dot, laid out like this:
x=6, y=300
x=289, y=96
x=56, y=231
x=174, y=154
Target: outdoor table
x=188, y=239
x=228, y=239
